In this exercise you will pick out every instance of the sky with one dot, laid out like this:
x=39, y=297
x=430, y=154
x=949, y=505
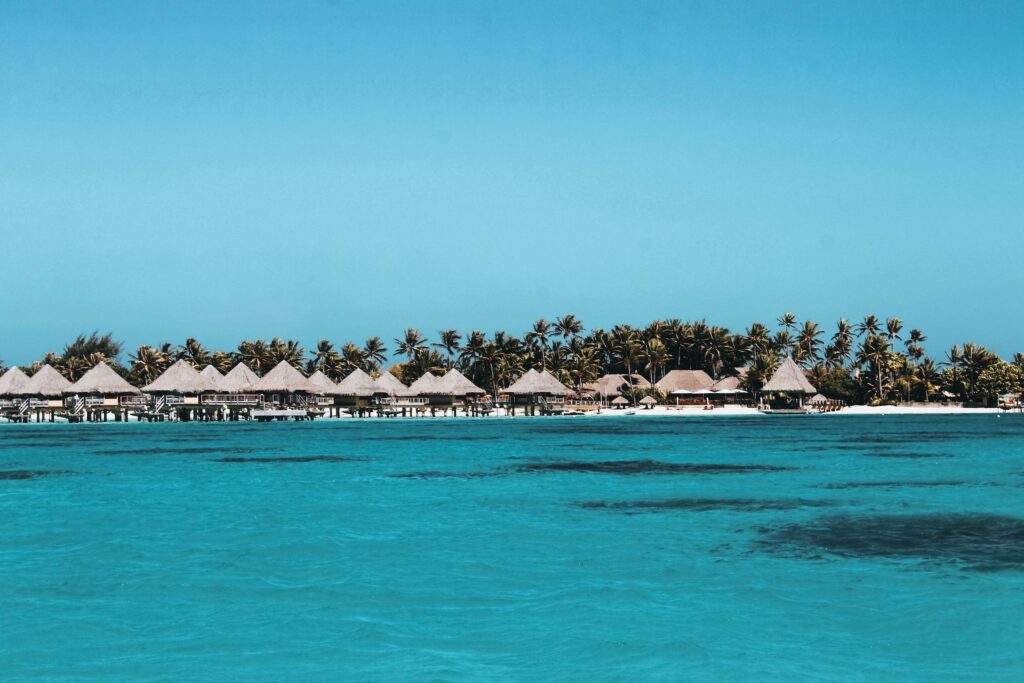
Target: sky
x=340, y=170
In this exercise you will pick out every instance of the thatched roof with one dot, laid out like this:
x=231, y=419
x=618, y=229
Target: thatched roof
x=358, y=383
x=533, y=382
x=12, y=382
x=611, y=385
x=322, y=382
x=727, y=385
x=424, y=385
x=391, y=385
x=790, y=379
x=818, y=398
x=239, y=378
x=46, y=382
x=454, y=383
x=685, y=381
x=620, y=401
x=648, y=401
x=101, y=379
x=285, y=379
x=214, y=375
x=180, y=378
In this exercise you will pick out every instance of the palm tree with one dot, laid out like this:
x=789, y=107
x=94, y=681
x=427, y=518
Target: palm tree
x=584, y=367
x=874, y=353
x=869, y=325
x=788, y=321
x=410, y=344
x=537, y=338
x=568, y=327
x=289, y=351
x=449, y=342
x=808, y=343
x=374, y=351
x=194, y=352
x=759, y=337
x=839, y=351
x=352, y=358
x=928, y=376
x=893, y=327
x=147, y=364
x=655, y=356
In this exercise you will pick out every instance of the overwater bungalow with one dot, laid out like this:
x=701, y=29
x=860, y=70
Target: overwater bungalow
x=239, y=380
x=424, y=386
x=101, y=393
x=214, y=375
x=786, y=389
x=179, y=392
x=355, y=393
x=397, y=399
x=455, y=390
x=686, y=386
x=41, y=395
x=537, y=392
x=285, y=394
x=12, y=402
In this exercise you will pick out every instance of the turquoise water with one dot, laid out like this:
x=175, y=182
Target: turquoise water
x=827, y=547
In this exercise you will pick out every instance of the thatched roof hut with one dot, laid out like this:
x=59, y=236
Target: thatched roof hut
x=180, y=378
x=685, y=381
x=285, y=379
x=818, y=399
x=620, y=401
x=648, y=401
x=323, y=383
x=12, y=382
x=612, y=384
x=101, y=380
x=358, y=384
x=46, y=383
x=391, y=385
x=239, y=379
x=424, y=386
x=789, y=378
x=454, y=383
x=214, y=375
x=728, y=385
x=533, y=382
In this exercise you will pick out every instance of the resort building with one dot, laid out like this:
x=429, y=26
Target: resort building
x=356, y=392
x=686, y=386
x=537, y=391
x=285, y=393
x=100, y=393
x=424, y=386
x=179, y=391
x=240, y=379
x=41, y=395
x=214, y=375
x=607, y=387
x=455, y=390
x=787, y=387
x=394, y=398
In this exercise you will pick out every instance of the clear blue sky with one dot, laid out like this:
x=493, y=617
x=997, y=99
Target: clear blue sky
x=335, y=169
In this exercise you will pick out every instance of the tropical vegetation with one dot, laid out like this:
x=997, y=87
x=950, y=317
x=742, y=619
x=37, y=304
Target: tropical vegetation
x=872, y=360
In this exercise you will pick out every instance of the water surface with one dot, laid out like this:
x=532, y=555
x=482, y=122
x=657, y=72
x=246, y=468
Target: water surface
x=829, y=547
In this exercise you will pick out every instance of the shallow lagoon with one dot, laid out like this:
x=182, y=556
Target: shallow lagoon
x=549, y=548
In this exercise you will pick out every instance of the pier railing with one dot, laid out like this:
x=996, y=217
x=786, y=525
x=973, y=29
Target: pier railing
x=232, y=399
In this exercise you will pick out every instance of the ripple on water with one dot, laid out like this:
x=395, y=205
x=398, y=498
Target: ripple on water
x=644, y=467
x=287, y=459
x=973, y=540
x=709, y=504
x=15, y=475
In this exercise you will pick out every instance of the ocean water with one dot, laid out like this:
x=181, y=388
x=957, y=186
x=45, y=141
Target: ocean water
x=577, y=549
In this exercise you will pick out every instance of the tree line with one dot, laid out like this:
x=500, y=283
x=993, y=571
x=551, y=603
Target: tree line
x=871, y=361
